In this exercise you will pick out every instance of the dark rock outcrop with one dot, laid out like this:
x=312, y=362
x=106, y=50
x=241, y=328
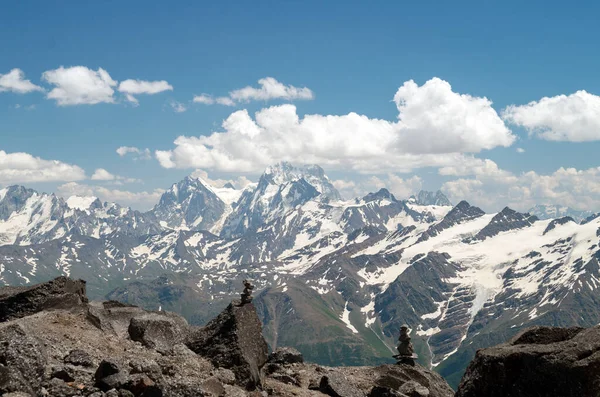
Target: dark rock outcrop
x=60, y=293
x=80, y=358
x=539, y=362
x=505, y=220
x=109, y=375
x=557, y=222
x=463, y=212
x=234, y=340
x=285, y=355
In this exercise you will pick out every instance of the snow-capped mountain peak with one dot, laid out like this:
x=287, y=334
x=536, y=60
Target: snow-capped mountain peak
x=285, y=172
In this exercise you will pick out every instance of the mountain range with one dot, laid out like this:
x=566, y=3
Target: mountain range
x=334, y=278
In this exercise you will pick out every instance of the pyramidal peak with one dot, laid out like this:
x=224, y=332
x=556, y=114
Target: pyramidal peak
x=284, y=172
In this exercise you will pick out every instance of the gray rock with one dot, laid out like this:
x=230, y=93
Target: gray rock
x=414, y=379
x=114, y=381
x=58, y=388
x=214, y=386
x=109, y=375
x=544, y=335
x=17, y=394
x=11, y=380
x=234, y=340
x=226, y=376
x=142, y=385
x=62, y=373
x=60, y=293
x=145, y=366
x=159, y=331
x=414, y=389
x=285, y=355
x=106, y=368
x=79, y=357
x=113, y=317
x=23, y=353
x=538, y=362
x=380, y=391
x=232, y=391
x=337, y=385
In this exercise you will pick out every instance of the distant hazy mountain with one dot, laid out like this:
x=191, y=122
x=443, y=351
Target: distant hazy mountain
x=430, y=198
x=558, y=211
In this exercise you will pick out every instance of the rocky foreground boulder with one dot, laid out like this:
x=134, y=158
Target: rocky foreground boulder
x=62, y=292
x=541, y=361
x=55, y=343
x=234, y=340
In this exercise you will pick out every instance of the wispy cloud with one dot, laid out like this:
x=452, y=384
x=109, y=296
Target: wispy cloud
x=136, y=87
x=103, y=175
x=269, y=89
x=178, y=107
x=138, y=154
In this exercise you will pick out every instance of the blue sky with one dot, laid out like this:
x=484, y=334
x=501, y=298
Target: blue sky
x=352, y=56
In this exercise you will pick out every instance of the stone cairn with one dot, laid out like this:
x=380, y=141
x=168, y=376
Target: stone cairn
x=247, y=294
x=406, y=352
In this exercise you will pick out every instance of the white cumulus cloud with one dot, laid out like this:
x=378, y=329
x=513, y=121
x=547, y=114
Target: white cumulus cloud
x=136, y=87
x=14, y=81
x=239, y=183
x=574, y=117
x=435, y=127
x=435, y=119
x=102, y=175
x=137, y=200
x=79, y=85
x=25, y=168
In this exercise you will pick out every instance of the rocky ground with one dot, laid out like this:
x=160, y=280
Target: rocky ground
x=53, y=342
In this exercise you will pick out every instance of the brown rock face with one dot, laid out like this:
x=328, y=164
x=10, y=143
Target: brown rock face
x=60, y=293
x=542, y=361
x=234, y=340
